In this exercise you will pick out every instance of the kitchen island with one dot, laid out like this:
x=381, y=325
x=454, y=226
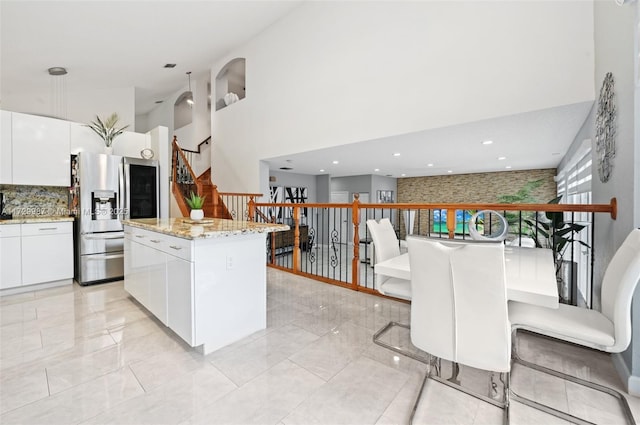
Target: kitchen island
x=206, y=281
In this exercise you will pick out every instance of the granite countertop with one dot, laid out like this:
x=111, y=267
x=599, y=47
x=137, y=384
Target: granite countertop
x=208, y=228
x=36, y=219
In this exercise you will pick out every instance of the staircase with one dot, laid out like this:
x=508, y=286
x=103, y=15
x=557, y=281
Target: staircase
x=184, y=181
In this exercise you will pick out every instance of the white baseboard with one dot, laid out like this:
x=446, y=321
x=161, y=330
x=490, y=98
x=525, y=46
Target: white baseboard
x=35, y=287
x=632, y=382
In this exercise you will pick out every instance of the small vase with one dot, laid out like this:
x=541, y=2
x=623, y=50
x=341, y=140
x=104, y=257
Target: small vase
x=196, y=214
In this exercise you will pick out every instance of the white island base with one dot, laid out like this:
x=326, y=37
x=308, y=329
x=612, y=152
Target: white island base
x=211, y=291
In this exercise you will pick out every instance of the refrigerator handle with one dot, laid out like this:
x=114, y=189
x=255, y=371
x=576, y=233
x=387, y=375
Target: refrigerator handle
x=122, y=208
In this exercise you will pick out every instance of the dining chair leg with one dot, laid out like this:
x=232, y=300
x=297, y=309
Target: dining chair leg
x=378, y=340
x=624, y=404
x=435, y=364
x=415, y=404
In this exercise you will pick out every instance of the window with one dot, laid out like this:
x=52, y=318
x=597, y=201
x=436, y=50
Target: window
x=574, y=184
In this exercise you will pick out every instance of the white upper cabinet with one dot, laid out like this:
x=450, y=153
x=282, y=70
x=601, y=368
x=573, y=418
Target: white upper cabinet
x=83, y=139
x=5, y=148
x=40, y=150
x=130, y=144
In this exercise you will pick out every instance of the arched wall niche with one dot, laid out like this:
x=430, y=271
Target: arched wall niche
x=231, y=80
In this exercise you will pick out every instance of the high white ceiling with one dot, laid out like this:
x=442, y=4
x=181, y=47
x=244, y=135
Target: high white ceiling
x=116, y=44
x=537, y=139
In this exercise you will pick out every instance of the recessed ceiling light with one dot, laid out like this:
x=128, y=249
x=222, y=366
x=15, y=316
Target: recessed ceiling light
x=377, y=169
x=336, y=162
x=429, y=165
x=169, y=65
x=487, y=142
x=449, y=171
x=403, y=174
x=508, y=167
x=502, y=158
x=396, y=154
x=322, y=170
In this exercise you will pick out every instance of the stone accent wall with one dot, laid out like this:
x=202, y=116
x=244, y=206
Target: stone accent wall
x=474, y=188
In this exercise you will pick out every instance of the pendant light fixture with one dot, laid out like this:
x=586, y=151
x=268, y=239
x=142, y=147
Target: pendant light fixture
x=190, y=93
x=58, y=89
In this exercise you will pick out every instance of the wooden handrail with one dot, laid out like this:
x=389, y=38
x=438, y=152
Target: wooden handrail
x=611, y=208
x=205, y=141
x=257, y=195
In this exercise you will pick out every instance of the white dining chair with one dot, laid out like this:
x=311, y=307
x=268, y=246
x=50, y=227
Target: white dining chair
x=386, y=246
x=608, y=330
x=459, y=310
x=501, y=226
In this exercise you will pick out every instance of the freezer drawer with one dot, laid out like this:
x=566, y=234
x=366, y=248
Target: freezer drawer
x=98, y=267
x=96, y=243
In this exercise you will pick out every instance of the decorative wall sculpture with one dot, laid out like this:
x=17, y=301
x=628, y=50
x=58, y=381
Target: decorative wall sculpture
x=606, y=128
x=289, y=195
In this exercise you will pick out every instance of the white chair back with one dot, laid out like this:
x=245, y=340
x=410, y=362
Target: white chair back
x=459, y=303
x=618, y=285
x=384, y=238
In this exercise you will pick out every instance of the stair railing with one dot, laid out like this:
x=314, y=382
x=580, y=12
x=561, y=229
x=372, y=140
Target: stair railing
x=183, y=178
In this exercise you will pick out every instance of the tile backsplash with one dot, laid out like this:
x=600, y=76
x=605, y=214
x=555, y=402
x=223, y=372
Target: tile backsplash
x=34, y=201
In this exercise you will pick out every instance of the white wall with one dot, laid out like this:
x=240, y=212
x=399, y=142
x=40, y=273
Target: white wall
x=331, y=73
x=615, y=32
x=81, y=106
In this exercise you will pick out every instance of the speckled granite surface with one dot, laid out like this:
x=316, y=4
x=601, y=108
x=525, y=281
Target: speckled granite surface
x=210, y=228
x=35, y=201
x=39, y=219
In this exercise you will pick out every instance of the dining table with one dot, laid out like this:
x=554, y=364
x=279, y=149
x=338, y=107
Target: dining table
x=529, y=272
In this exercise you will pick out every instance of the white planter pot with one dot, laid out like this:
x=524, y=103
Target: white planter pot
x=197, y=214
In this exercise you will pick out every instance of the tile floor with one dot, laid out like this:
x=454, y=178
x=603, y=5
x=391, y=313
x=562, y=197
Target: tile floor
x=92, y=355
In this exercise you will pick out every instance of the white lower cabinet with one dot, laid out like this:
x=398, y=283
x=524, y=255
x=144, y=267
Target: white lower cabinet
x=10, y=257
x=180, y=298
x=145, y=276
x=47, y=252
x=35, y=253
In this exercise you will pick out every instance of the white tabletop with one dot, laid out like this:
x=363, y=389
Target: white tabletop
x=530, y=274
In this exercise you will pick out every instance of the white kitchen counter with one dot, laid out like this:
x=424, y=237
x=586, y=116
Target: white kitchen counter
x=36, y=219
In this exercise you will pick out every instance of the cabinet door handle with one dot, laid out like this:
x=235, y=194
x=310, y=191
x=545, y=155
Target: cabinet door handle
x=156, y=240
x=48, y=228
x=177, y=248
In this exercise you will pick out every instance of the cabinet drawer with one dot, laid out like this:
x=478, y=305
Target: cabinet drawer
x=9, y=230
x=53, y=228
x=143, y=236
x=178, y=247
x=171, y=245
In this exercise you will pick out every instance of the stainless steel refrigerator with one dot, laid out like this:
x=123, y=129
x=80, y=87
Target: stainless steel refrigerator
x=108, y=189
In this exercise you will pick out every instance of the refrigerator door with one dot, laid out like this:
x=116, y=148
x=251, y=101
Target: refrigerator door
x=141, y=183
x=100, y=193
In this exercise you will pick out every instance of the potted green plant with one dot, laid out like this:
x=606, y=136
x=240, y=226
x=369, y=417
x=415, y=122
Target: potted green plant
x=551, y=231
x=195, y=202
x=107, y=130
